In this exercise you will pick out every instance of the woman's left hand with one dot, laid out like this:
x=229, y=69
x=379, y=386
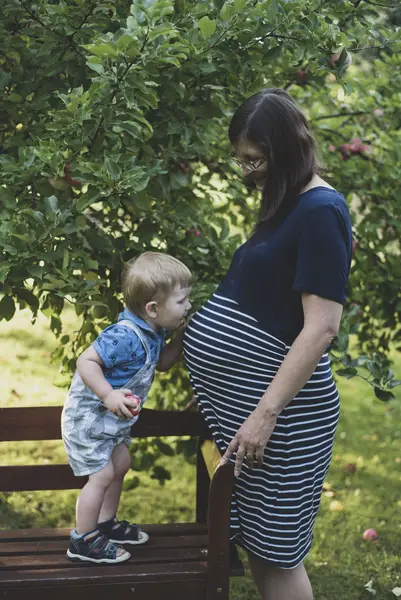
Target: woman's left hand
x=250, y=440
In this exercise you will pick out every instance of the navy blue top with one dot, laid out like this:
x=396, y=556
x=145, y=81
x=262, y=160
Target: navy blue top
x=308, y=249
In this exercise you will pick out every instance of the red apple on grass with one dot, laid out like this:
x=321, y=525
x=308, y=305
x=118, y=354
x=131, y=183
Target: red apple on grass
x=370, y=535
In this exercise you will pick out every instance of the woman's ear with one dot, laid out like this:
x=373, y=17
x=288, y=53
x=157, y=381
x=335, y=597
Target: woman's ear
x=151, y=309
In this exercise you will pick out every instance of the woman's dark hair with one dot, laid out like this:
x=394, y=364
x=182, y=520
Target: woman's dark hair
x=272, y=121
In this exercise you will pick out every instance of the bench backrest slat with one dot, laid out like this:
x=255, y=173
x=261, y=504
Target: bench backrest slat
x=43, y=423
x=39, y=477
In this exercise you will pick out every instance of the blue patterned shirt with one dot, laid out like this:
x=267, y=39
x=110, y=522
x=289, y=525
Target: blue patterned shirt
x=122, y=351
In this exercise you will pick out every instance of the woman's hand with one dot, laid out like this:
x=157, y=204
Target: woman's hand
x=193, y=403
x=250, y=440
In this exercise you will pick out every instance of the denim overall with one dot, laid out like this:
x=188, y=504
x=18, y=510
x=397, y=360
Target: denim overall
x=90, y=431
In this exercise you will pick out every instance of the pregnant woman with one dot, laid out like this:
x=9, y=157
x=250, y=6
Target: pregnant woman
x=257, y=350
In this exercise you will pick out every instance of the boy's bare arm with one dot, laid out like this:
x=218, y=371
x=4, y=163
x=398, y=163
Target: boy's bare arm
x=89, y=366
x=172, y=351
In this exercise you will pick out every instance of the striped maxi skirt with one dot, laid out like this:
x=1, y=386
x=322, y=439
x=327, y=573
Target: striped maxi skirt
x=231, y=361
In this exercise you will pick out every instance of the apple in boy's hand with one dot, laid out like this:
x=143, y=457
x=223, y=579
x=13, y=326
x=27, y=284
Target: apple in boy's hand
x=134, y=410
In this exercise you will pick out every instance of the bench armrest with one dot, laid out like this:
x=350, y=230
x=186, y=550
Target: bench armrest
x=220, y=494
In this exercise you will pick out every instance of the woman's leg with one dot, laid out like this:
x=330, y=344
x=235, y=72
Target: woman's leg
x=121, y=460
x=274, y=583
x=91, y=499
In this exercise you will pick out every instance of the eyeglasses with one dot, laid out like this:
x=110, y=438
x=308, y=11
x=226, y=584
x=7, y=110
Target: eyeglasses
x=249, y=165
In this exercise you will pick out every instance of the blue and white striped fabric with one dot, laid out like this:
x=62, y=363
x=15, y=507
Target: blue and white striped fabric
x=231, y=362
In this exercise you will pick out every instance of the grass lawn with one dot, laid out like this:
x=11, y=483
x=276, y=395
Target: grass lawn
x=362, y=490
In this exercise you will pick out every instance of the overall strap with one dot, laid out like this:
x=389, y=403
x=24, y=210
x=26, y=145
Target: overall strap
x=139, y=333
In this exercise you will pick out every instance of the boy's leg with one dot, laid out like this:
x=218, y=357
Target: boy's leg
x=91, y=499
x=120, y=532
x=87, y=542
x=121, y=462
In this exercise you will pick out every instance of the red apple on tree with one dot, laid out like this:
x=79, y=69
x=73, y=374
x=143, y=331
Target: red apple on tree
x=185, y=168
x=68, y=178
x=62, y=183
x=193, y=231
x=301, y=76
x=342, y=59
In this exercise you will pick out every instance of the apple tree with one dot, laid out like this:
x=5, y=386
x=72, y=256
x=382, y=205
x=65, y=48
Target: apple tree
x=113, y=140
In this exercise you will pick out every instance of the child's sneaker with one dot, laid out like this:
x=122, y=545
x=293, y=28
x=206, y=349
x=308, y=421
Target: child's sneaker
x=123, y=532
x=95, y=547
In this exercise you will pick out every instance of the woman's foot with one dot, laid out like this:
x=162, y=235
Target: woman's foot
x=95, y=547
x=123, y=532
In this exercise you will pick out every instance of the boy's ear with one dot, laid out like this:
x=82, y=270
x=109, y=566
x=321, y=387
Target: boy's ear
x=151, y=309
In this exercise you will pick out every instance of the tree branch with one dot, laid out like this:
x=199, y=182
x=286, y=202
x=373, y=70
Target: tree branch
x=86, y=17
x=227, y=29
x=267, y=35
x=39, y=20
x=333, y=132
x=378, y=4
x=334, y=116
x=375, y=47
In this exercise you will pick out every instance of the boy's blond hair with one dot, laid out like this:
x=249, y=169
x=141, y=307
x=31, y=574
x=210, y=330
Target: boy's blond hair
x=152, y=276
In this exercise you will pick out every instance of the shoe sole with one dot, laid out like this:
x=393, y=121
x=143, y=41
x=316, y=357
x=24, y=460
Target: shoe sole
x=109, y=561
x=143, y=539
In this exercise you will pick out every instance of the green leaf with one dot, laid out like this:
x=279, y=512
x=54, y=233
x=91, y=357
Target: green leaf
x=66, y=259
x=130, y=127
x=161, y=474
x=141, y=182
x=55, y=325
x=164, y=448
x=102, y=50
x=15, y=98
x=225, y=230
x=142, y=201
x=207, y=27
x=51, y=205
x=29, y=297
x=85, y=200
x=227, y=11
x=375, y=369
x=166, y=30
x=348, y=372
x=129, y=45
x=36, y=271
x=7, y=308
x=131, y=484
x=383, y=395
x=95, y=66
x=113, y=169
x=62, y=380
x=4, y=270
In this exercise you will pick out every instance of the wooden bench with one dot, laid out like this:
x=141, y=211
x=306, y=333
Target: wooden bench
x=181, y=560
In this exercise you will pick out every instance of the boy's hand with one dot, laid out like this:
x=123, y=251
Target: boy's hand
x=120, y=402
